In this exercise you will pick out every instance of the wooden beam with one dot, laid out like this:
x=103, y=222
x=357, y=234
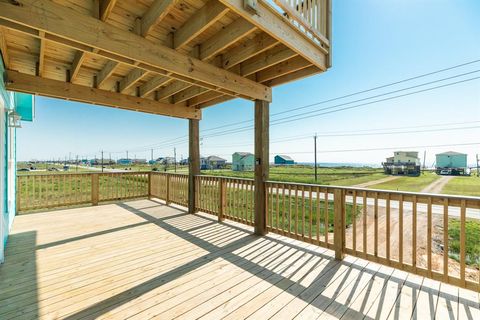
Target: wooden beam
x=250, y=48
x=172, y=89
x=3, y=48
x=278, y=26
x=293, y=76
x=131, y=79
x=188, y=94
x=106, y=72
x=262, y=61
x=210, y=13
x=153, y=85
x=76, y=64
x=266, y=59
x=80, y=31
x=283, y=68
x=193, y=161
x=58, y=89
x=225, y=38
x=157, y=11
x=106, y=7
x=261, y=164
x=41, y=57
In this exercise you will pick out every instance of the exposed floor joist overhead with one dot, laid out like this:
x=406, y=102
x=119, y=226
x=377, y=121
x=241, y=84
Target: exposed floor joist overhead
x=3, y=47
x=87, y=33
x=270, y=21
x=203, y=18
x=158, y=10
x=58, y=89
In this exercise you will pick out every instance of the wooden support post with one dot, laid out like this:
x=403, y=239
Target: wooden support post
x=149, y=181
x=167, y=196
x=223, y=199
x=261, y=164
x=194, y=161
x=95, y=185
x=339, y=228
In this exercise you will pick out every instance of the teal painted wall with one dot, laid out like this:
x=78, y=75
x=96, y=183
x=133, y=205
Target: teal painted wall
x=243, y=163
x=451, y=161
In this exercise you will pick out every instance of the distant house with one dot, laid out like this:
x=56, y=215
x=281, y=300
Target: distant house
x=243, y=161
x=125, y=162
x=139, y=161
x=183, y=162
x=402, y=163
x=451, y=163
x=283, y=159
x=166, y=160
x=212, y=162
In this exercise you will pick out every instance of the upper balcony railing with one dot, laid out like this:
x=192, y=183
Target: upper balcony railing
x=434, y=236
x=312, y=17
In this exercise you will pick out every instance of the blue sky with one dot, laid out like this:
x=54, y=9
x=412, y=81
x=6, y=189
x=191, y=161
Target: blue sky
x=375, y=43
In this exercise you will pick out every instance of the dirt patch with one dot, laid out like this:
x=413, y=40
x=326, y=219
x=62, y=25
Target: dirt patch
x=371, y=183
x=419, y=252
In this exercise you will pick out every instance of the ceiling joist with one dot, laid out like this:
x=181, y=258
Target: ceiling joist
x=81, y=31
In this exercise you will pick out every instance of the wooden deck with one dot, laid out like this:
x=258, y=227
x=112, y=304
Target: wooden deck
x=142, y=259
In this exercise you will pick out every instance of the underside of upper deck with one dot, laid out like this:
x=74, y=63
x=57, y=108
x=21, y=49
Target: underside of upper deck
x=169, y=57
x=143, y=259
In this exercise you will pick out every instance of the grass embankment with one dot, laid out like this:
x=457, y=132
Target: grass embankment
x=465, y=186
x=472, y=241
x=344, y=176
x=412, y=184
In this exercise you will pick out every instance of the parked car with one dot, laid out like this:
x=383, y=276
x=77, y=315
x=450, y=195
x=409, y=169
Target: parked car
x=445, y=172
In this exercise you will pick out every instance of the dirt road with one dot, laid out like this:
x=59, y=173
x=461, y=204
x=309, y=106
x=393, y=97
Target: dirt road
x=371, y=183
x=437, y=185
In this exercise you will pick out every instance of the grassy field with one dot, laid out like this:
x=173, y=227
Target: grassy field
x=467, y=186
x=305, y=174
x=472, y=249
x=412, y=184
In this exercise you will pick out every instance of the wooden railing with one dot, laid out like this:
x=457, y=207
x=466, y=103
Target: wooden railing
x=312, y=17
x=436, y=236
x=45, y=191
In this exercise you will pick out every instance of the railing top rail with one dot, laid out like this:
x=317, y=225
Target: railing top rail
x=79, y=173
x=224, y=177
x=381, y=191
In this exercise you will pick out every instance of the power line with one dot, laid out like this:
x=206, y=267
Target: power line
x=328, y=100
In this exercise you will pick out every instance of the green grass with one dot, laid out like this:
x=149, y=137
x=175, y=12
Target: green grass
x=467, y=186
x=472, y=248
x=294, y=212
x=412, y=184
x=344, y=176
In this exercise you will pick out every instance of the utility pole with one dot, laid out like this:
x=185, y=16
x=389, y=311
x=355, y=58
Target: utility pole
x=175, y=158
x=315, y=152
x=127, y=154
x=151, y=155
x=424, y=157
x=102, y=160
x=478, y=166
x=76, y=167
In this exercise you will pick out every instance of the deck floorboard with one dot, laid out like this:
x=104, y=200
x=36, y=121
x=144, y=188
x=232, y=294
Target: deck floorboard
x=142, y=259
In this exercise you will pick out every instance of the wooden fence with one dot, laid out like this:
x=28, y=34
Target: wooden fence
x=436, y=236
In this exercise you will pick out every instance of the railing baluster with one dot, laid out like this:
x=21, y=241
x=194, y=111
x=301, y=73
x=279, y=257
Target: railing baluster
x=354, y=221
x=414, y=232
x=429, y=236
x=310, y=213
x=364, y=224
x=445, y=239
x=326, y=222
x=400, y=230
x=303, y=213
x=387, y=217
x=375, y=221
x=318, y=214
x=463, y=240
